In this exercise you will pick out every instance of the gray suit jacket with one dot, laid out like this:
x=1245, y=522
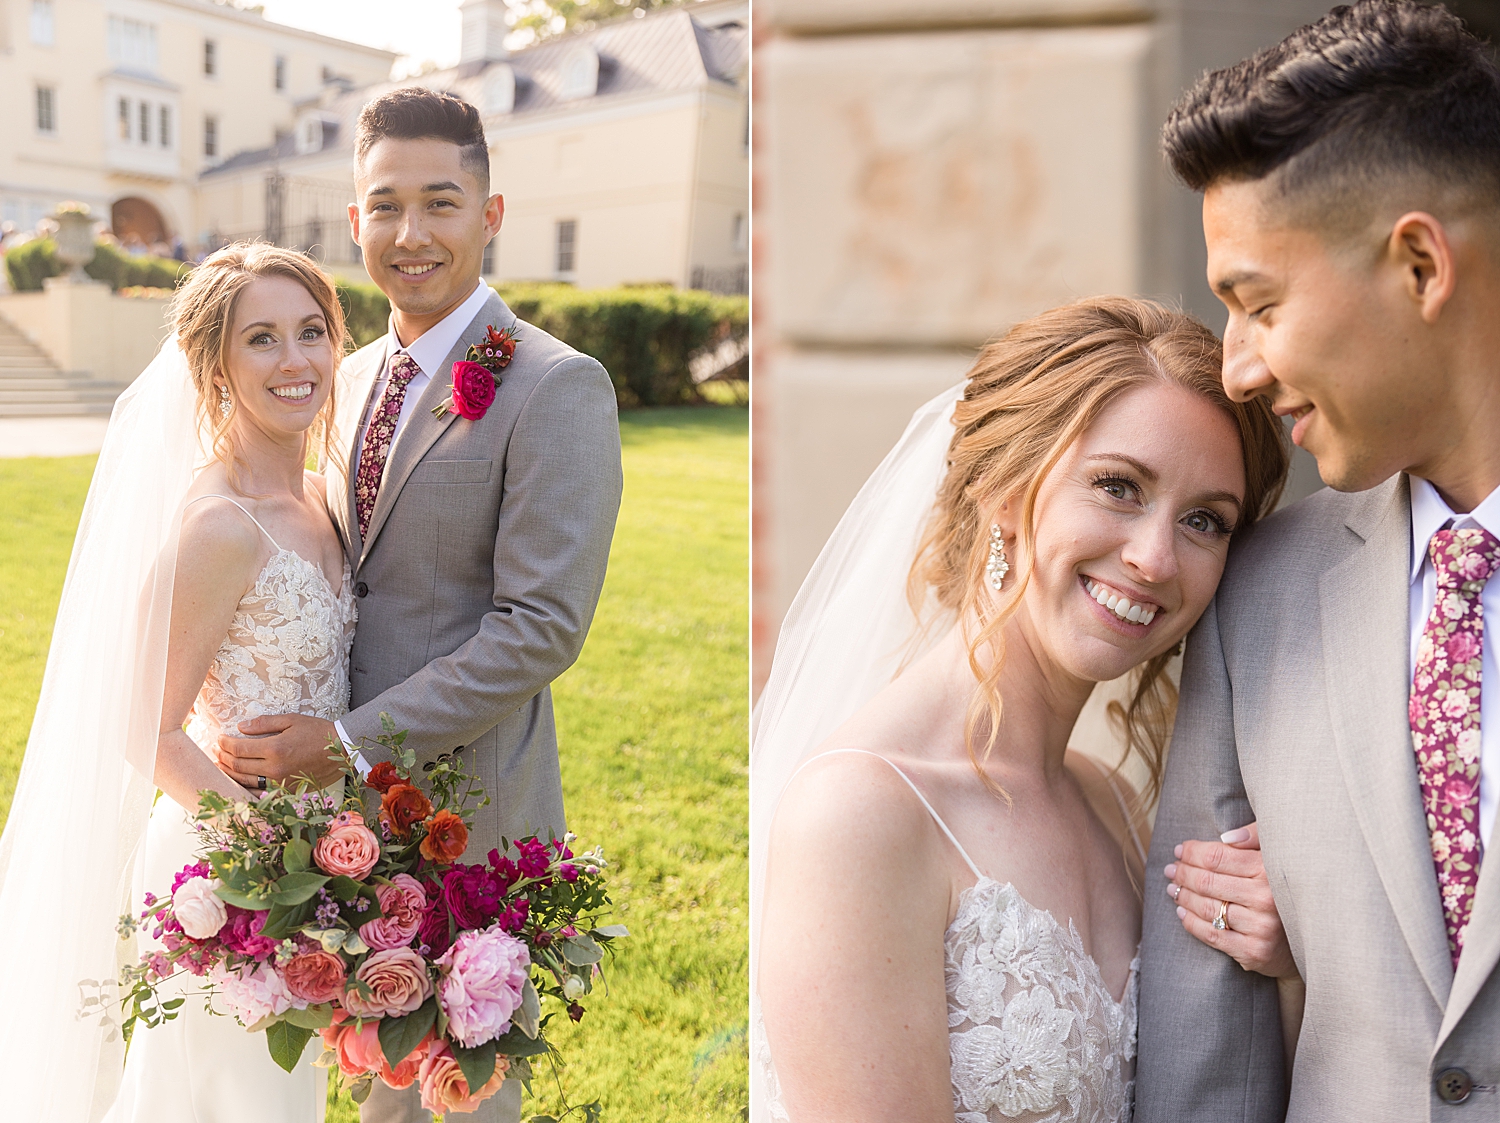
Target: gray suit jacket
x=482, y=567
x=1293, y=712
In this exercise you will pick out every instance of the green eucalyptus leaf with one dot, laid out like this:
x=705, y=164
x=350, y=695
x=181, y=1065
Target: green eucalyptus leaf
x=611, y=931
x=359, y=1091
x=399, y=1036
x=581, y=950
x=296, y=855
x=286, y=1042
x=294, y=888
x=477, y=1064
x=529, y=1016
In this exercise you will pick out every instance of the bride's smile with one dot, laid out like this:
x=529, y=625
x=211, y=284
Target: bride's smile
x=279, y=361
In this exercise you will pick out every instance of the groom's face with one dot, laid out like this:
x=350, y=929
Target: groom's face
x=1322, y=328
x=422, y=221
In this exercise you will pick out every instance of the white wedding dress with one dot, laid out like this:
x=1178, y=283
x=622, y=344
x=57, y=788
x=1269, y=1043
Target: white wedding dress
x=287, y=651
x=1034, y=1035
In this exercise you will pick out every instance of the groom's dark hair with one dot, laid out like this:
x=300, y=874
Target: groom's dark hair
x=1374, y=93
x=417, y=113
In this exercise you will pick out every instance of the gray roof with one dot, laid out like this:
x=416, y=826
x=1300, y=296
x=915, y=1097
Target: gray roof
x=665, y=52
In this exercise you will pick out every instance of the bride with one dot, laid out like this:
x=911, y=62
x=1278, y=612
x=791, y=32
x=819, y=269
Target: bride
x=207, y=585
x=946, y=899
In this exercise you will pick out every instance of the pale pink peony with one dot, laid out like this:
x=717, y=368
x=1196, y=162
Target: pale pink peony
x=482, y=977
x=314, y=976
x=398, y=984
x=200, y=912
x=252, y=995
x=444, y=1088
x=349, y=849
x=402, y=904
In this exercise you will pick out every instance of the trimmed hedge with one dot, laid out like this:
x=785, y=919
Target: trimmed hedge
x=643, y=335
x=30, y=264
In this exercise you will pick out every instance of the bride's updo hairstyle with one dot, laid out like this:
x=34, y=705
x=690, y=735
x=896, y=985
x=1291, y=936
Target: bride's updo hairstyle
x=1030, y=395
x=203, y=312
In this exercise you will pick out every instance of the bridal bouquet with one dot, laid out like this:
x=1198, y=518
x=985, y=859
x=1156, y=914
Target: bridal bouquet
x=307, y=917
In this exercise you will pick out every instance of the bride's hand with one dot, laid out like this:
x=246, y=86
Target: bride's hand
x=1208, y=876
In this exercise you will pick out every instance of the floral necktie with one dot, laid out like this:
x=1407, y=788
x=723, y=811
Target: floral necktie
x=378, y=438
x=1444, y=713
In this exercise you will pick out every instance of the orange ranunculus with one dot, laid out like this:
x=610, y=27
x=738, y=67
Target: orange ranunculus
x=402, y=807
x=446, y=838
x=383, y=777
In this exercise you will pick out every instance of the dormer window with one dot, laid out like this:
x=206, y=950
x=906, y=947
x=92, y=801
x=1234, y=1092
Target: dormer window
x=499, y=89
x=210, y=58
x=309, y=135
x=580, y=74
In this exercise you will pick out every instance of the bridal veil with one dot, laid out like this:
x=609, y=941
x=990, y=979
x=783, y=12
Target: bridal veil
x=68, y=856
x=847, y=633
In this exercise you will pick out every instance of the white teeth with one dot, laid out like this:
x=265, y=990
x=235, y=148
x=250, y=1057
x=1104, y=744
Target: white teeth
x=1120, y=605
x=411, y=270
x=1135, y=614
x=293, y=393
x=1102, y=595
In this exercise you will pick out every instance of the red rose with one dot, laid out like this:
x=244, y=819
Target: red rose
x=401, y=807
x=383, y=777
x=446, y=838
x=503, y=343
x=473, y=389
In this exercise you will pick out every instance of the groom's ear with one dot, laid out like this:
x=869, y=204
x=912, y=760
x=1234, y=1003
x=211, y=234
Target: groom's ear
x=1419, y=247
x=354, y=222
x=494, y=215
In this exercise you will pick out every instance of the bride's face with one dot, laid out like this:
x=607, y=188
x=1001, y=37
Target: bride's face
x=1138, y=512
x=280, y=357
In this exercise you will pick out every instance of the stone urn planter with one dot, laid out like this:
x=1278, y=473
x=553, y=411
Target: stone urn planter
x=75, y=240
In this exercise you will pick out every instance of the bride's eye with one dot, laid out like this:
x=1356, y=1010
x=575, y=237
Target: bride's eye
x=1116, y=487
x=312, y=333
x=1206, y=522
x=260, y=338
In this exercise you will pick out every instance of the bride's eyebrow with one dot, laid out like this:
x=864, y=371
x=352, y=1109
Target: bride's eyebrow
x=1148, y=474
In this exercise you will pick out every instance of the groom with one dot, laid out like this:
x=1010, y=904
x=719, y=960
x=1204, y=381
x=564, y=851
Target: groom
x=1343, y=689
x=477, y=547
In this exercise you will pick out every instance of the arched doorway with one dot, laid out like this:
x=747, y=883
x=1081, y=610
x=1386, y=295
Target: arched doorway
x=138, y=225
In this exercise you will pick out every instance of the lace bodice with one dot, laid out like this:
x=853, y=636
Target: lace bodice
x=287, y=650
x=1034, y=1035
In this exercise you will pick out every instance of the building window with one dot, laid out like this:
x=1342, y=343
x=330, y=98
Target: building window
x=164, y=127
x=281, y=72
x=124, y=118
x=567, y=247
x=210, y=136
x=145, y=137
x=46, y=110
x=132, y=43
x=43, y=22
x=210, y=57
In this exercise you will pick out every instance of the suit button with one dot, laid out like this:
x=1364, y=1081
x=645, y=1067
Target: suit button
x=1454, y=1085
x=361, y=590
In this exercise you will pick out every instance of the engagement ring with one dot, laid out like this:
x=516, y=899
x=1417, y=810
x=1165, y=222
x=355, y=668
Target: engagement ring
x=1221, y=921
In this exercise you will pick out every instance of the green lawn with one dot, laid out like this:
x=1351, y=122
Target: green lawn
x=652, y=724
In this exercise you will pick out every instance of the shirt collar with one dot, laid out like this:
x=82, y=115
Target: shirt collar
x=1429, y=511
x=431, y=347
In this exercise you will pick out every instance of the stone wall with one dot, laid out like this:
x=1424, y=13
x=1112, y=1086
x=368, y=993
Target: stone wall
x=87, y=329
x=925, y=176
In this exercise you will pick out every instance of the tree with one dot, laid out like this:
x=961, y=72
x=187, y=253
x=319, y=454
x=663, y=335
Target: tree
x=546, y=19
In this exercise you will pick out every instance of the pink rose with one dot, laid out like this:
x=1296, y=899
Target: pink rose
x=444, y=1088
x=1455, y=703
x=398, y=984
x=358, y=1048
x=349, y=849
x=483, y=974
x=198, y=908
x=314, y=976
x=1473, y=566
x=473, y=389
x=1463, y=647
x=1458, y=791
x=402, y=904
x=252, y=994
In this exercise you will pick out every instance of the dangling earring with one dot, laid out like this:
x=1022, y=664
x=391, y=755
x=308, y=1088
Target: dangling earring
x=224, y=401
x=997, y=567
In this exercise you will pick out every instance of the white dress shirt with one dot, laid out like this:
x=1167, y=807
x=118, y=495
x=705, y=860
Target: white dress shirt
x=428, y=351
x=1429, y=514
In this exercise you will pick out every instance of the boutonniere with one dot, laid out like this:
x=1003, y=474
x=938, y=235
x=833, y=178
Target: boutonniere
x=477, y=377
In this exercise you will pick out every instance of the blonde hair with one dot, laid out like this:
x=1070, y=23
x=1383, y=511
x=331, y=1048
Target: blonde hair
x=1030, y=395
x=202, y=314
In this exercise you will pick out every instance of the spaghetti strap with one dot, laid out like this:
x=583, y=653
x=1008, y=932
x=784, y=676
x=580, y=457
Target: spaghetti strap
x=248, y=515
x=936, y=818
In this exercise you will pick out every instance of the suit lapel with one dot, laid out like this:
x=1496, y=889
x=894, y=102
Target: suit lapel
x=1365, y=610
x=422, y=429
x=355, y=397
x=1481, y=945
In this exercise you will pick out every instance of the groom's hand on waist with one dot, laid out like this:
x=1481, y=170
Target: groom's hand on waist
x=281, y=746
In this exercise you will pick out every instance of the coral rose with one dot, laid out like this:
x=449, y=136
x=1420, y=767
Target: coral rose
x=402, y=807
x=401, y=904
x=198, y=909
x=473, y=389
x=446, y=838
x=444, y=1088
x=398, y=984
x=383, y=777
x=314, y=976
x=349, y=849
x=483, y=975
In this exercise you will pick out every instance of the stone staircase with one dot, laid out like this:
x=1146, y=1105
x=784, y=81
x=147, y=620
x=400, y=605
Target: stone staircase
x=32, y=386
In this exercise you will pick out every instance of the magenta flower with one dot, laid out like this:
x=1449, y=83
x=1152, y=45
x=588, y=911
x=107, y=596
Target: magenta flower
x=241, y=934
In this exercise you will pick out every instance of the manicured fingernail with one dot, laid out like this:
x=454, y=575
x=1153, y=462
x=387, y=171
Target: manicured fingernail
x=1181, y=913
x=1177, y=850
x=1171, y=871
x=1239, y=834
